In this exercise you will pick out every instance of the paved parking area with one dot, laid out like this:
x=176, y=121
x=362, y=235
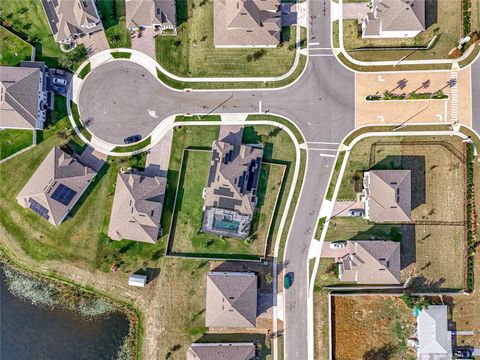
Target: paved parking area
x=332, y=253
x=457, y=106
x=340, y=208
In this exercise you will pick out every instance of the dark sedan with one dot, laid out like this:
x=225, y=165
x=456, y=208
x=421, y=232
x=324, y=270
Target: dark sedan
x=132, y=139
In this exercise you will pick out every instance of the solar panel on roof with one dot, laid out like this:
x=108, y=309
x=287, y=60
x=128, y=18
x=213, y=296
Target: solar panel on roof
x=63, y=194
x=38, y=208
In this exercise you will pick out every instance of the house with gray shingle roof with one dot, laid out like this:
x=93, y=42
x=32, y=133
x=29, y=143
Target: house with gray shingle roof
x=151, y=13
x=394, y=19
x=247, y=23
x=137, y=208
x=434, y=339
x=231, y=300
x=231, y=192
x=371, y=262
x=24, y=98
x=70, y=19
x=55, y=187
x=221, y=351
x=388, y=195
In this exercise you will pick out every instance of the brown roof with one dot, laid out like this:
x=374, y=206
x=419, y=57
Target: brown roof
x=137, y=208
x=221, y=351
x=371, y=262
x=231, y=299
x=388, y=195
x=150, y=12
x=71, y=17
x=247, y=22
x=396, y=15
x=56, y=186
x=19, y=93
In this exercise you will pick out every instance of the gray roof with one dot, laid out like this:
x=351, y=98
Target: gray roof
x=19, y=105
x=247, y=22
x=434, y=339
x=388, y=195
x=137, y=208
x=371, y=262
x=150, y=12
x=221, y=351
x=395, y=15
x=71, y=17
x=57, y=174
x=231, y=300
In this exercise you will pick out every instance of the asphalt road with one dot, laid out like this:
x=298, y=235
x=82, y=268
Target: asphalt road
x=476, y=95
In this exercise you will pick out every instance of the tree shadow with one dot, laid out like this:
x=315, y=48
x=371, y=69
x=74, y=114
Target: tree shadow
x=401, y=84
x=414, y=163
x=385, y=352
x=422, y=284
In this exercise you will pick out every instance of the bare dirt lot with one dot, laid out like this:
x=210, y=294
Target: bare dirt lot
x=371, y=327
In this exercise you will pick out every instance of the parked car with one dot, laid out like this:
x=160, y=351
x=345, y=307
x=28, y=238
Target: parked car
x=338, y=245
x=59, y=89
x=463, y=352
x=288, y=280
x=355, y=212
x=59, y=72
x=58, y=81
x=132, y=139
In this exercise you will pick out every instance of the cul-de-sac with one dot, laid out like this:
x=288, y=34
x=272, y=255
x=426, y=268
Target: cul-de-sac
x=240, y=179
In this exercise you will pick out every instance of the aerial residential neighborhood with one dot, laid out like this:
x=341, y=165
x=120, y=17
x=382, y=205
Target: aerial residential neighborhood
x=240, y=179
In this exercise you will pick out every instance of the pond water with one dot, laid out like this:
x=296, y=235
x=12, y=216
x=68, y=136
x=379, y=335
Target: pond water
x=35, y=332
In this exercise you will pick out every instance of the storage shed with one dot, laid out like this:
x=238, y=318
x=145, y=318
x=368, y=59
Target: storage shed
x=137, y=280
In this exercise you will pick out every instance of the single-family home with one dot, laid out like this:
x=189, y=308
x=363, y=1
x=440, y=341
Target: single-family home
x=70, y=19
x=231, y=300
x=231, y=192
x=24, y=99
x=221, y=351
x=371, y=262
x=434, y=339
x=247, y=23
x=137, y=207
x=56, y=186
x=394, y=19
x=388, y=195
x=150, y=14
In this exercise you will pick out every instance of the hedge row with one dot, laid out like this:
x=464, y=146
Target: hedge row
x=470, y=202
x=387, y=95
x=466, y=16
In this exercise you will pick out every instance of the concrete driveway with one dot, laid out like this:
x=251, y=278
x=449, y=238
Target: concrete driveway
x=356, y=11
x=146, y=42
x=95, y=42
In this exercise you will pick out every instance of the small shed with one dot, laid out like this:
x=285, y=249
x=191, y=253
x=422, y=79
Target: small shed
x=137, y=280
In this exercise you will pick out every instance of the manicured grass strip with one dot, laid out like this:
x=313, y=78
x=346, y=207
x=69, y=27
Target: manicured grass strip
x=336, y=171
x=280, y=120
x=14, y=49
x=78, y=123
x=198, y=118
x=181, y=85
x=138, y=146
x=14, y=140
x=86, y=69
x=121, y=55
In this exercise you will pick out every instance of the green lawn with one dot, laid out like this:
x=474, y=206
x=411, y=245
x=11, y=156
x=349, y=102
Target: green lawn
x=137, y=146
x=357, y=228
x=189, y=213
x=112, y=13
x=192, y=52
x=13, y=140
x=27, y=19
x=14, y=49
x=443, y=18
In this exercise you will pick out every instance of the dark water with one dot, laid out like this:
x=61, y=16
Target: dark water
x=36, y=332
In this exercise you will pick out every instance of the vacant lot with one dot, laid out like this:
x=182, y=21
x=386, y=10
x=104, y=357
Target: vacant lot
x=192, y=52
x=13, y=140
x=443, y=18
x=372, y=327
x=14, y=49
x=437, y=167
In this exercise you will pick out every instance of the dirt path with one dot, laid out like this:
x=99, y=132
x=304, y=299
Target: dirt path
x=147, y=300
